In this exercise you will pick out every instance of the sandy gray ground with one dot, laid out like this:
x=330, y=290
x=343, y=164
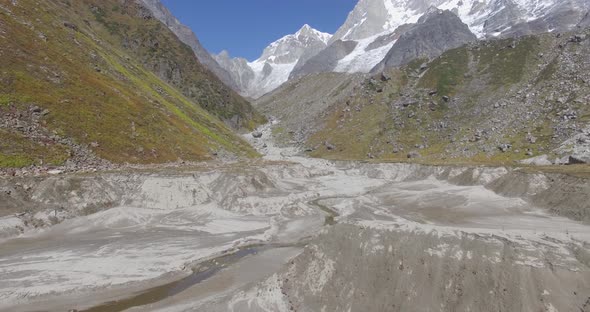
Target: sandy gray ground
x=405, y=238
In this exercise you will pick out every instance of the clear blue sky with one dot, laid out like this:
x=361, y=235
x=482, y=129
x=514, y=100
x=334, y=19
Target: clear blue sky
x=246, y=27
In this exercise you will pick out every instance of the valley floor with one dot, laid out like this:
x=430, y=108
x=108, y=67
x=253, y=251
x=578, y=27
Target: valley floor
x=294, y=233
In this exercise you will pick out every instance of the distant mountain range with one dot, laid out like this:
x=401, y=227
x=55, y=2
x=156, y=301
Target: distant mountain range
x=382, y=33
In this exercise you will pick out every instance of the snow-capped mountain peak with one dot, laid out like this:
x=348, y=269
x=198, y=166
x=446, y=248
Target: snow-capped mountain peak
x=289, y=48
x=309, y=32
x=485, y=18
x=277, y=61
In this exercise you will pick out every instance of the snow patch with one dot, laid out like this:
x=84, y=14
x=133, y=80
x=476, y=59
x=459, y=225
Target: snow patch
x=361, y=60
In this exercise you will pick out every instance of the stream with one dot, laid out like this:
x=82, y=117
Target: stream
x=215, y=240
x=204, y=271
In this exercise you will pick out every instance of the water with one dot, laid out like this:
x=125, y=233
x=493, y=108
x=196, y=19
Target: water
x=156, y=294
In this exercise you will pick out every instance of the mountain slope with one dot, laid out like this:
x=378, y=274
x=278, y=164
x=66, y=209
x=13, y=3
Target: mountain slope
x=492, y=102
x=276, y=62
x=82, y=78
x=187, y=36
x=227, y=105
x=300, y=103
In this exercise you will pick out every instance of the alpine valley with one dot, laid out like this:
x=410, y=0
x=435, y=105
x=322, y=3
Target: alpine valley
x=430, y=155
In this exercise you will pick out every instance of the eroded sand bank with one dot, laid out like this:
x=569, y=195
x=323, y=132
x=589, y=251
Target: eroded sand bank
x=401, y=238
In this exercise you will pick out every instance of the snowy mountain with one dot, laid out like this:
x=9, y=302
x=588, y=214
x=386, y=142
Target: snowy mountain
x=291, y=48
x=272, y=69
x=486, y=18
x=374, y=25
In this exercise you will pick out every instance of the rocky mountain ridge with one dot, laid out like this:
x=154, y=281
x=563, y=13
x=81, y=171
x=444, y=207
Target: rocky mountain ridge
x=186, y=35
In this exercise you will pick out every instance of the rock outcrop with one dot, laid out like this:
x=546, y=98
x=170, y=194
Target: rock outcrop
x=435, y=32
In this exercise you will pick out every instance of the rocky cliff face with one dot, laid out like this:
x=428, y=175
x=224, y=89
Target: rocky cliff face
x=300, y=104
x=434, y=33
x=241, y=73
x=187, y=36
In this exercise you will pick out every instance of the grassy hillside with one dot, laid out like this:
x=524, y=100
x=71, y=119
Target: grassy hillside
x=489, y=102
x=89, y=72
x=131, y=27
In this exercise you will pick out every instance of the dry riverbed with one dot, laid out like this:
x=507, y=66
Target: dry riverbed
x=293, y=233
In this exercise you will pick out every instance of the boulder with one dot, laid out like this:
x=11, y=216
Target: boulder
x=71, y=25
x=257, y=134
x=542, y=160
x=578, y=159
x=577, y=38
x=414, y=154
x=504, y=147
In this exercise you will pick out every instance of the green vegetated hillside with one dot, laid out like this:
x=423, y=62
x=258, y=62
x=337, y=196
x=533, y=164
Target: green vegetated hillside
x=107, y=77
x=489, y=102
